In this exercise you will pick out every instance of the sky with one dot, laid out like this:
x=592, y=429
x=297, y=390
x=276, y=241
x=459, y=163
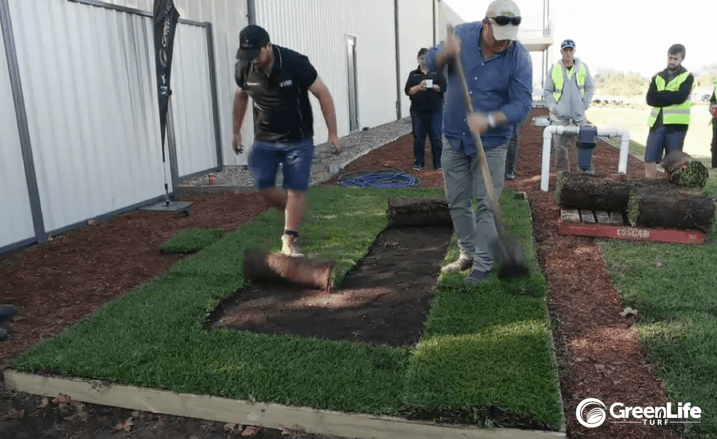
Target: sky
x=624, y=35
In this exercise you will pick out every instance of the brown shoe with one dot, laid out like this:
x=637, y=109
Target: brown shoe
x=460, y=264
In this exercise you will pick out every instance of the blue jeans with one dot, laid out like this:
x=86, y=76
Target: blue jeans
x=463, y=182
x=427, y=123
x=296, y=158
x=665, y=139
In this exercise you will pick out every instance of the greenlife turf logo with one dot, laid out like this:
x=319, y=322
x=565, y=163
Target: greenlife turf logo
x=591, y=413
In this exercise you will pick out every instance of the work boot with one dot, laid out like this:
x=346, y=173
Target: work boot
x=7, y=311
x=460, y=264
x=476, y=277
x=288, y=246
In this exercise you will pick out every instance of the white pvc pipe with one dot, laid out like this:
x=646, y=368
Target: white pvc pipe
x=547, y=138
x=624, y=144
x=575, y=129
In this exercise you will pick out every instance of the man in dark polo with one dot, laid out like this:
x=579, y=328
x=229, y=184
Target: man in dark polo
x=277, y=79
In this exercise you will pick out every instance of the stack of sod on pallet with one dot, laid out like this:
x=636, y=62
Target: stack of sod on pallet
x=677, y=201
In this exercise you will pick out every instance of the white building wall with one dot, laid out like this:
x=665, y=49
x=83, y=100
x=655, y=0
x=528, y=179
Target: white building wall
x=319, y=29
x=227, y=17
x=376, y=46
x=191, y=101
x=15, y=215
x=415, y=32
x=90, y=108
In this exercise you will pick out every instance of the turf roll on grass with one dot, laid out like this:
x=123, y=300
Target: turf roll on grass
x=261, y=265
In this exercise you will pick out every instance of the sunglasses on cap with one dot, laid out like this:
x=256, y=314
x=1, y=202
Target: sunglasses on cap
x=502, y=20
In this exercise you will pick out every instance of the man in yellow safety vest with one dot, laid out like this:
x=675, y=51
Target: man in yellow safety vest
x=669, y=95
x=568, y=92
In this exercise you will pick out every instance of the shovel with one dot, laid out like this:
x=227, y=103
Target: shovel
x=507, y=248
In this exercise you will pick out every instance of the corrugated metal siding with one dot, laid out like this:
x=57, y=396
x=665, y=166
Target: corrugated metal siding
x=416, y=31
x=318, y=29
x=191, y=101
x=15, y=214
x=376, y=53
x=228, y=17
x=89, y=88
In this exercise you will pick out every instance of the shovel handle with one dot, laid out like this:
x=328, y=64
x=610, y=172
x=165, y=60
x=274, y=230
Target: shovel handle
x=487, y=180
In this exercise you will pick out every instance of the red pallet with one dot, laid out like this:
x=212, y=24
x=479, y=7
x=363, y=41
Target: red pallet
x=630, y=233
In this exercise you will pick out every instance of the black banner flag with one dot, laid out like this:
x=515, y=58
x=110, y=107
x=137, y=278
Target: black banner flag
x=165, y=26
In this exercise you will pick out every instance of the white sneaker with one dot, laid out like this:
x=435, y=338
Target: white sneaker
x=288, y=246
x=460, y=264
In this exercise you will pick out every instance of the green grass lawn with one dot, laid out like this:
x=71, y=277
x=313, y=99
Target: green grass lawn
x=484, y=347
x=674, y=289
x=192, y=240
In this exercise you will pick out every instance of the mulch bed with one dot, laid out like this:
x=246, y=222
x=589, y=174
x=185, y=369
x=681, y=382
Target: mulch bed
x=58, y=283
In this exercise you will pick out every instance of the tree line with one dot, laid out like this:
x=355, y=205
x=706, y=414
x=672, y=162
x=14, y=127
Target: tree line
x=613, y=83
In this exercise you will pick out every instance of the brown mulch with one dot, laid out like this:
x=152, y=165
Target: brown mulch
x=58, y=283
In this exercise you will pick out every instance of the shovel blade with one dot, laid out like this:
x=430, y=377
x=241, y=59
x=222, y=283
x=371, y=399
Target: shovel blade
x=509, y=253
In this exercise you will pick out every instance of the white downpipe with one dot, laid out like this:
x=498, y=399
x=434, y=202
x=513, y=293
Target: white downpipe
x=574, y=129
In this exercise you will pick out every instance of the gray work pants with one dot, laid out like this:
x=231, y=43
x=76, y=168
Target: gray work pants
x=463, y=184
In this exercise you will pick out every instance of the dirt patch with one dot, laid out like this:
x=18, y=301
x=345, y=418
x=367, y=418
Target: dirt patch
x=383, y=301
x=58, y=283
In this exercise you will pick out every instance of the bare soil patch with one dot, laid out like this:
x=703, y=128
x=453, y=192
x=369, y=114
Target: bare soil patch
x=383, y=301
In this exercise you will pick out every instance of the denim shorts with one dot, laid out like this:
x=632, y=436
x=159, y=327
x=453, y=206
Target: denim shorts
x=665, y=139
x=296, y=159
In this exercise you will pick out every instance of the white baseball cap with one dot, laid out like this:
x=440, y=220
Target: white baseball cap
x=505, y=17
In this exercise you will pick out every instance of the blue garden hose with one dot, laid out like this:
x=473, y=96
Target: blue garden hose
x=384, y=179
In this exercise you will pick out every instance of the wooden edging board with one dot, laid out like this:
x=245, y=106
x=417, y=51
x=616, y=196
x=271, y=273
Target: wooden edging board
x=630, y=233
x=248, y=413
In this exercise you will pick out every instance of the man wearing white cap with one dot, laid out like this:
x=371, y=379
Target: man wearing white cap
x=499, y=73
x=568, y=92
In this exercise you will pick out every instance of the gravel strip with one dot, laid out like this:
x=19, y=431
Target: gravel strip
x=326, y=163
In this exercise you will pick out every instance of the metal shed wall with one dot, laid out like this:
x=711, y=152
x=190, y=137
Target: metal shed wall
x=15, y=214
x=415, y=31
x=227, y=17
x=191, y=102
x=90, y=115
x=90, y=97
x=319, y=29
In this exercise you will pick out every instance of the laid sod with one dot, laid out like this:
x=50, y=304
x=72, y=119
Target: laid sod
x=674, y=289
x=488, y=346
x=485, y=348
x=192, y=240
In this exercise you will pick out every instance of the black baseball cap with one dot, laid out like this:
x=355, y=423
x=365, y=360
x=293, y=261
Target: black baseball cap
x=251, y=39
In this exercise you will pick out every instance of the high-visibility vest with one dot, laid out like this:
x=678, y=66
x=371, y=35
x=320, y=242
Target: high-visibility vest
x=558, y=80
x=674, y=114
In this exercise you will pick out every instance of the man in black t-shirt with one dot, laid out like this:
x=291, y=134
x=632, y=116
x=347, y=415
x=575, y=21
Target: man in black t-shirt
x=425, y=89
x=278, y=81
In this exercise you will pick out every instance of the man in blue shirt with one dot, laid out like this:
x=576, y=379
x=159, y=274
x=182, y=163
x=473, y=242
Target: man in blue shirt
x=499, y=73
